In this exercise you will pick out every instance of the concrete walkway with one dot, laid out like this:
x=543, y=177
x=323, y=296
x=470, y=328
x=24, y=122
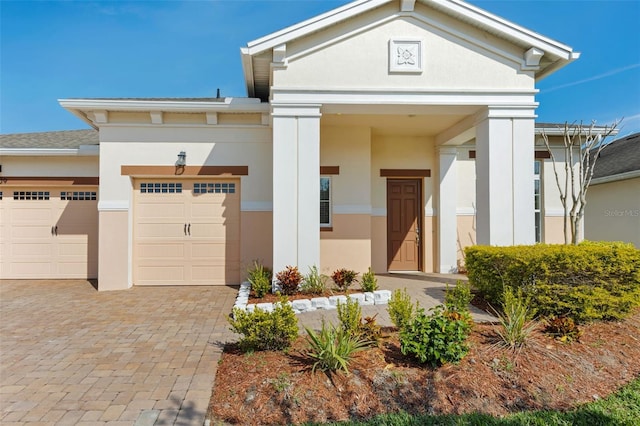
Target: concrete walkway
x=148, y=355
x=70, y=355
x=426, y=289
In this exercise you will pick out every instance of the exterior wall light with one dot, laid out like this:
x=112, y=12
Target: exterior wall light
x=182, y=159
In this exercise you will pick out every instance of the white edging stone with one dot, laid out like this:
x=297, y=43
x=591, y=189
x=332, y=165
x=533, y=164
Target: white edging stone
x=321, y=303
x=378, y=297
x=381, y=297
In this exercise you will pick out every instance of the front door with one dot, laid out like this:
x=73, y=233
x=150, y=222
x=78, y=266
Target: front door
x=403, y=224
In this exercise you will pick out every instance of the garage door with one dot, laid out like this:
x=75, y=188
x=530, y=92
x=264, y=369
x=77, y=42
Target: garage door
x=187, y=232
x=48, y=232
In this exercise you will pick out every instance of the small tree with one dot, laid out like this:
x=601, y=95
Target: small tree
x=583, y=144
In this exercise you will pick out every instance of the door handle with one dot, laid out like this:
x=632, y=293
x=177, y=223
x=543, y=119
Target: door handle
x=189, y=229
x=185, y=229
x=52, y=230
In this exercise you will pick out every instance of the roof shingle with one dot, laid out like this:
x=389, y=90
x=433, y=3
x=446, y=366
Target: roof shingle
x=65, y=139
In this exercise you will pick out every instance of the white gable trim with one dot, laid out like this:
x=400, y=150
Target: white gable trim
x=309, y=26
x=456, y=8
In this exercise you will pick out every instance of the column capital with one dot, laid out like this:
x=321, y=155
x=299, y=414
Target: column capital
x=507, y=111
x=295, y=110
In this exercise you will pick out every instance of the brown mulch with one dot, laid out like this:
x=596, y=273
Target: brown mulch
x=279, y=387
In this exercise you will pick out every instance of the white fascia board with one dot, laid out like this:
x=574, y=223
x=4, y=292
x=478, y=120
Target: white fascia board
x=312, y=25
x=614, y=178
x=559, y=131
x=247, y=68
x=230, y=104
x=41, y=152
x=507, y=28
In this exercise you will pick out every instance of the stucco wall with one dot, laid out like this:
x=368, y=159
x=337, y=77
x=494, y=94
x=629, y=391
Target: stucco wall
x=401, y=152
x=76, y=166
x=348, y=243
x=612, y=212
x=350, y=50
x=203, y=146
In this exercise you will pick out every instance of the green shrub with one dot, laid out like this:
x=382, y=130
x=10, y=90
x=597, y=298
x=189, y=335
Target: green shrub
x=588, y=281
x=289, y=279
x=437, y=338
x=259, y=277
x=313, y=282
x=350, y=316
x=262, y=330
x=333, y=348
x=401, y=309
x=515, y=319
x=344, y=278
x=369, y=281
x=459, y=296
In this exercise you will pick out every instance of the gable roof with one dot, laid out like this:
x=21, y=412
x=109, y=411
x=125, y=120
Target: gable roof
x=620, y=157
x=257, y=65
x=65, y=139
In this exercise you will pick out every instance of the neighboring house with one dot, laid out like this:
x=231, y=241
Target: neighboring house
x=384, y=133
x=612, y=212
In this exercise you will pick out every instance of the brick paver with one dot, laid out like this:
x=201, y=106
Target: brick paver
x=72, y=355
x=143, y=356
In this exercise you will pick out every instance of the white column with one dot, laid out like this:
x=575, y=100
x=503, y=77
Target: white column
x=296, y=186
x=523, y=203
x=447, y=203
x=504, y=177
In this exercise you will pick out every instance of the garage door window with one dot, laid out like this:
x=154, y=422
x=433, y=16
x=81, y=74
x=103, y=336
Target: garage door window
x=78, y=196
x=214, y=188
x=30, y=195
x=161, y=188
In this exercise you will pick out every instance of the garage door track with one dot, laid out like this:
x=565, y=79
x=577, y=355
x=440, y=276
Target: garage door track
x=71, y=355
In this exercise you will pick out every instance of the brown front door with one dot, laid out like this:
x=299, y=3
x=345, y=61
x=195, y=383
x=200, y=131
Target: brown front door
x=403, y=224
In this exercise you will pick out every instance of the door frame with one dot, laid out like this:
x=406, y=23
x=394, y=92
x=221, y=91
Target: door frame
x=420, y=183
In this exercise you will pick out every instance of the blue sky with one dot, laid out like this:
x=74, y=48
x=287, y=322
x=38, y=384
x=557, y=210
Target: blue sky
x=74, y=49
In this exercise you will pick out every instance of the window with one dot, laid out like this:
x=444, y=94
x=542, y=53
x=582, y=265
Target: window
x=30, y=195
x=161, y=188
x=325, y=201
x=537, y=199
x=78, y=195
x=214, y=188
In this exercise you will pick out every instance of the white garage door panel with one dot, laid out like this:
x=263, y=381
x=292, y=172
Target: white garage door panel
x=49, y=238
x=23, y=252
x=148, y=252
x=187, y=237
x=161, y=275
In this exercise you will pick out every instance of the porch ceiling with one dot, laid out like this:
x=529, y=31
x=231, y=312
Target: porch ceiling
x=395, y=124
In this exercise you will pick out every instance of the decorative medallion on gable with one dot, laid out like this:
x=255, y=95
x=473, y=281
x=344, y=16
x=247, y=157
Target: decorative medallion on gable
x=405, y=55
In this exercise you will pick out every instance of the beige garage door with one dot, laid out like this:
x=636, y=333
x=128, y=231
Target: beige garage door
x=187, y=232
x=49, y=232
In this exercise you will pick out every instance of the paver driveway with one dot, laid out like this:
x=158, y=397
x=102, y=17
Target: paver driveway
x=71, y=355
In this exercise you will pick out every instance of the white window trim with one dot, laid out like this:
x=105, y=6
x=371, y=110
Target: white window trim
x=538, y=177
x=330, y=224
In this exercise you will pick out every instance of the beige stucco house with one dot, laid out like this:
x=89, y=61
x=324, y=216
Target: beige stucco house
x=612, y=212
x=384, y=133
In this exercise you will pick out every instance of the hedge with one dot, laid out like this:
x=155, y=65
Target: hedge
x=588, y=281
